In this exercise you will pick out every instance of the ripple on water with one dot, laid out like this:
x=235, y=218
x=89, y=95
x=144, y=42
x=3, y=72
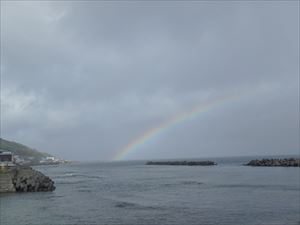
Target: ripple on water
x=136, y=206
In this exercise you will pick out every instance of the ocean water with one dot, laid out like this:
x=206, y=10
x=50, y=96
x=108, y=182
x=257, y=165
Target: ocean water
x=131, y=193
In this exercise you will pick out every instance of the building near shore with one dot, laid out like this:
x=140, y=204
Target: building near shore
x=6, y=159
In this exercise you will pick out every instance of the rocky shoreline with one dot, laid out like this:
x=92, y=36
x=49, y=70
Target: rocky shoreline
x=291, y=162
x=24, y=179
x=182, y=163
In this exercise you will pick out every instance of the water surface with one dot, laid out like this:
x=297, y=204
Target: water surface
x=132, y=193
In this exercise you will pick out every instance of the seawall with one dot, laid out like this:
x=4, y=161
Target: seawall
x=290, y=162
x=24, y=179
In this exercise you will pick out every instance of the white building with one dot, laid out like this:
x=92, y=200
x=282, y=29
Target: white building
x=50, y=158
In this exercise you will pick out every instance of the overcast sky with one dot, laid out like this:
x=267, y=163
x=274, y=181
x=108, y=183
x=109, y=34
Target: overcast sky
x=83, y=79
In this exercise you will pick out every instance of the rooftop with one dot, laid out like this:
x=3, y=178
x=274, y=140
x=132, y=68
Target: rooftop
x=5, y=153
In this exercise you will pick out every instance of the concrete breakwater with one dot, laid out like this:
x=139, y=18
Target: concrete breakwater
x=24, y=179
x=182, y=163
x=291, y=162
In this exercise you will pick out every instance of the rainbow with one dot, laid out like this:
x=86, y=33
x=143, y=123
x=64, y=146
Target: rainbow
x=170, y=123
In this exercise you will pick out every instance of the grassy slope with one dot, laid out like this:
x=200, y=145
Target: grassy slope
x=20, y=149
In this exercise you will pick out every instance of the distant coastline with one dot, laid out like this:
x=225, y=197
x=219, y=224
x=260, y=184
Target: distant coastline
x=24, y=155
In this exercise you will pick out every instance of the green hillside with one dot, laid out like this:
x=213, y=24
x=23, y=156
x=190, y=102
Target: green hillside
x=21, y=150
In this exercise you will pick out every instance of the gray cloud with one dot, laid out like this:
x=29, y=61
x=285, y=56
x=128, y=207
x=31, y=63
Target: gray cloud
x=83, y=79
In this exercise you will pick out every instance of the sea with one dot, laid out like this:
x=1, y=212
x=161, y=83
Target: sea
x=132, y=193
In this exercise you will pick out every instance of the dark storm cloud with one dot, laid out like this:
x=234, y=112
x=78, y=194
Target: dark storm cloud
x=91, y=76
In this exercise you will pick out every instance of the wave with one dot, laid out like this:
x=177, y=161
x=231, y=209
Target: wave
x=257, y=186
x=125, y=205
x=182, y=183
x=135, y=206
x=77, y=175
x=192, y=182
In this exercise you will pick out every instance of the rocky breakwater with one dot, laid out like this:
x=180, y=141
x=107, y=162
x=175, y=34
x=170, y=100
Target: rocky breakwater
x=182, y=163
x=24, y=179
x=291, y=162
